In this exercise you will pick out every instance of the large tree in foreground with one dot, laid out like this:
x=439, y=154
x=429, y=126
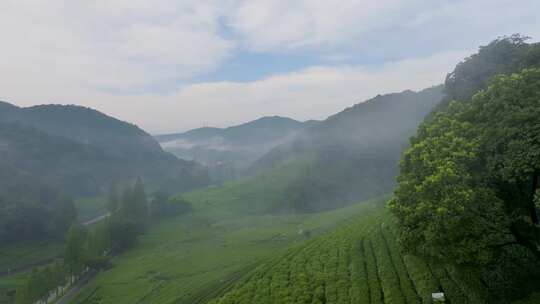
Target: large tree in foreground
x=466, y=191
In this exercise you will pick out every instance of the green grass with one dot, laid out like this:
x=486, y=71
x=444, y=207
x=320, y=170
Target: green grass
x=190, y=258
x=359, y=262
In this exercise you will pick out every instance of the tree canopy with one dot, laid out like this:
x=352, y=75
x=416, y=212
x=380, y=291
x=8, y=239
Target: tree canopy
x=466, y=191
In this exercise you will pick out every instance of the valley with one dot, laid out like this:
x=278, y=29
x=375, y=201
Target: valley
x=427, y=196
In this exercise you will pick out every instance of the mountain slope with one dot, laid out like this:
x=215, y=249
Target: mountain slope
x=354, y=153
x=82, y=151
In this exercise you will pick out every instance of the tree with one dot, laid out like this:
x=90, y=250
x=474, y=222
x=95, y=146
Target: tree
x=100, y=239
x=466, y=190
x=64, y=215
x=508, y=118
x=75, y=253
x=140, y=203
x=134, y=205
x=444, y=209
x=113, y=201
x=503, y=55
x=123, y=233
x=159, y=204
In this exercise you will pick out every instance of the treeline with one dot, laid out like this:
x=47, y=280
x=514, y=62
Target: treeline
x=468, y=189
x=91, y=248
x=42, y=283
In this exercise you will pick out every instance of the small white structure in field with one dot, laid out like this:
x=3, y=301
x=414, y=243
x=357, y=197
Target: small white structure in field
x=438, y=297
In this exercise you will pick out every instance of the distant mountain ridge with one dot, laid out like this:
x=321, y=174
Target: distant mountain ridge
x=264, y=128
x=233, y=148
x=82, y=150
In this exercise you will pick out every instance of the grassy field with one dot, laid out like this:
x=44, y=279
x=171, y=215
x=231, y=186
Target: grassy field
x=358, y=263
x=190, y=259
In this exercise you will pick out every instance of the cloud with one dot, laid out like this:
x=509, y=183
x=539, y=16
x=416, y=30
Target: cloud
x=312, y=93
x=286, y=25
x=383, y=28
x=140, y=59
x=108, y=44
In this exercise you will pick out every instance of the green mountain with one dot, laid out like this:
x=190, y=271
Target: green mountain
x=229, y=151
x=353, y=154
x=81, y=151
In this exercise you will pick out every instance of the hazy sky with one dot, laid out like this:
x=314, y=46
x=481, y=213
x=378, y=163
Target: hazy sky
x=170, y=65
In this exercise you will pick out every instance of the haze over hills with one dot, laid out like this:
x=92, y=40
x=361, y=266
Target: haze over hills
x=82, y=151
x=353, y=154
x=229, y=151
x=179, y=165
x=350, y=156
x=462, y=223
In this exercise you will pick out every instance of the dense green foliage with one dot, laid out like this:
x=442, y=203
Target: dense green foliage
x=466, y=193
x=502, y=56
x=41, y=283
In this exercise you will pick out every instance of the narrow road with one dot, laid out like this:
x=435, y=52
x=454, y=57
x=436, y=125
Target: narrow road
x=97, y=219
x=74, y=290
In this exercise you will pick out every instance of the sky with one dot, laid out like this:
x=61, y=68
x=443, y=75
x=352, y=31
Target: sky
x=170, y=66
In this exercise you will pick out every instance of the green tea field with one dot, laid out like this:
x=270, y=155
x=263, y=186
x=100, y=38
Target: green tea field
x=359, y=262
x=194, y=258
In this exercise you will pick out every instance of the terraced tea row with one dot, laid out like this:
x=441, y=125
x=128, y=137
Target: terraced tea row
x=358, y=263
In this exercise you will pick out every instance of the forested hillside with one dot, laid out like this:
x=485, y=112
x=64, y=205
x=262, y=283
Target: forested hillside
x=353, y=154
x=468, y=188
x=82, y=151
x=50, y=154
